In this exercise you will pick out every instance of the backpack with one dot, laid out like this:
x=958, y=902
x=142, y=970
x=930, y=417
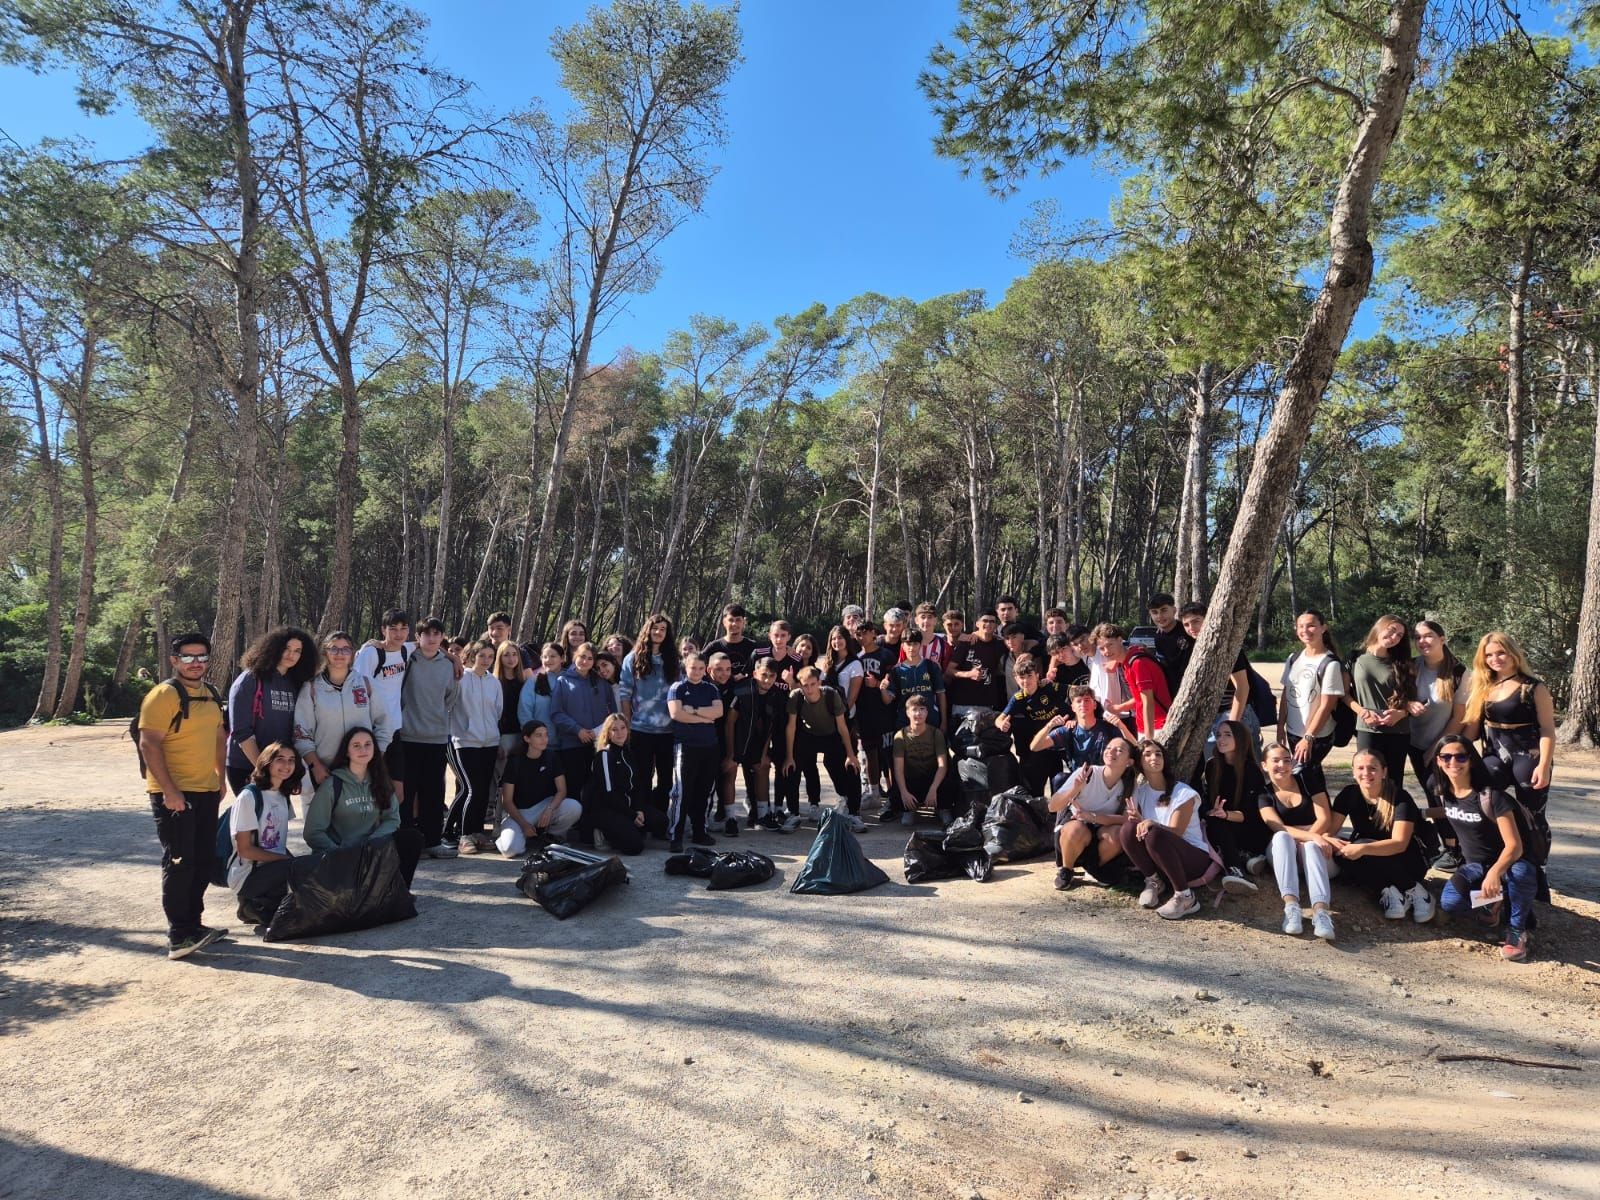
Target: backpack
x=182, y=715
x=1262, y=702
x=1535, y=834
x=383, y=656
x=222, y=860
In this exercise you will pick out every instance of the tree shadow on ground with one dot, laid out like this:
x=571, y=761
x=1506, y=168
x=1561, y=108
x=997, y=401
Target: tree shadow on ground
x=36, y=1170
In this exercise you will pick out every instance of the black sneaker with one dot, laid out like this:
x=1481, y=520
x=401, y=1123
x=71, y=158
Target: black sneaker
x=751, y=820
x=730, y=827
x=1449, y=862
x=1065, y=878
x=676, y=845
x=1236, y=882
x=703, y=838
x=889, y=815
x=182, y=948
x=772, y=823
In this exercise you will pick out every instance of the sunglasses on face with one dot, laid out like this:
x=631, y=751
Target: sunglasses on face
x=190, y=659
x=1446, y=757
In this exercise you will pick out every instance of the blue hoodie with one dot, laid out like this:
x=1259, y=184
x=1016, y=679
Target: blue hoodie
x=648, y=697
x=531, y=706
x=578, y=703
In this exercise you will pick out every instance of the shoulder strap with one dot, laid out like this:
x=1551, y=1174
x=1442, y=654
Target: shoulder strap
x=338, y=786
x=383, y=656
x=405, y=655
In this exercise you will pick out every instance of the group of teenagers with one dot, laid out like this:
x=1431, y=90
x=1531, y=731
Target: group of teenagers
x=630, y=739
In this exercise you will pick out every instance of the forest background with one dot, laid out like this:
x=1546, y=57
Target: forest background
x=339, y=335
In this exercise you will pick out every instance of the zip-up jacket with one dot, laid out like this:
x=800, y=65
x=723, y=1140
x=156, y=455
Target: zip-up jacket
x=323, y=714
x=578, y=703
x=475, y=720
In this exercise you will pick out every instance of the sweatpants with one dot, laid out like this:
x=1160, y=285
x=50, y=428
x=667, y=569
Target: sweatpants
x=1520, y=883
x=1287, y=855
x=652, y=756
x=845, y=781
x=512, y=842
x=697, y=780
x=475, y=764
x=919, y=780
x=1166, y=854
x=188, y=846
x=424, y=807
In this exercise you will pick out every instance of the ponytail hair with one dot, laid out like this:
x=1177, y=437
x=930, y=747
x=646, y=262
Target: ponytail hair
x=1384, y=805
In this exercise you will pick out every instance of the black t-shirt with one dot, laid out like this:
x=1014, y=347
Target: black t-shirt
x=1174, y=647
x=1302, y=815
x=985, y=692
x=1239, y=664
x=532, y=780
x=1254, y=782
x=788, y=666
x=1479, y=836
x=1064, y=675
x=760, y=717
x=741, y=654
x=871, y=712
x=1364, y=816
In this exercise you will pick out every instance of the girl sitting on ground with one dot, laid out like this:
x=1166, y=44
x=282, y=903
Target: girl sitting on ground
x=355, y=804
x=609, y=804
x=1232, y=782
x=1091, y=808
x=1165, y=839
x=533, y=795
x=1299, y=822
x=1381, y=855
x=1491, y=845
x=258, y=873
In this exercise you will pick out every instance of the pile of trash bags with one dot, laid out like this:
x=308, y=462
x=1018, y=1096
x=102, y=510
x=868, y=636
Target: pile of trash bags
x=341, y=891
x=983, y=759
x=1012, y=827
x=563, y=879
x=733, y=869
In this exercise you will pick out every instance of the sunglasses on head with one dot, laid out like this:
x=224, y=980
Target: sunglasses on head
x=1447, y=756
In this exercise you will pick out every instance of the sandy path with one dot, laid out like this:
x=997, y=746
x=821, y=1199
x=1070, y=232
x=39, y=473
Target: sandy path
x=939, y=1040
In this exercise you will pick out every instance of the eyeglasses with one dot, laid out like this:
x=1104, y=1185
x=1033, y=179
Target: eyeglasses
x=341, y=650
x=189, y=660
x=1460, y=758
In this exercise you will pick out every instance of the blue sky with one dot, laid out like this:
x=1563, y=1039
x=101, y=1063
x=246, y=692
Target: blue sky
x=828, y=185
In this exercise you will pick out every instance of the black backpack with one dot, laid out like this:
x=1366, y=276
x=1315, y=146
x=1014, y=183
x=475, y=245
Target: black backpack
x=383, y=656
x=1344, y=717
x=182, y=715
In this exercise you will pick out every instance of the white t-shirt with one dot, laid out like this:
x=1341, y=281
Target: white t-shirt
x=1096, y=797
x=1306, y=679
x=1145, y=797
x=1106, y=680
x=851, y=670
x=387, y=680
x=272, y=833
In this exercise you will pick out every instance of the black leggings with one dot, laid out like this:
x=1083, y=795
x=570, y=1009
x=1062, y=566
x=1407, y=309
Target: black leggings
x=1373, y=873
x=1433, y=832
x=845, y=781
x=1392, y=748
x=1237, y=842
x=1512, y=759
x=651, y=754
x=1311, y=770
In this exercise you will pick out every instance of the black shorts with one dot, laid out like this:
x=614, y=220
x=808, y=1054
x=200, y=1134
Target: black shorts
x=394, y=758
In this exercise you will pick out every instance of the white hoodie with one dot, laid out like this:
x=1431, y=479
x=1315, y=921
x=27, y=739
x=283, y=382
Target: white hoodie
x=475, y=722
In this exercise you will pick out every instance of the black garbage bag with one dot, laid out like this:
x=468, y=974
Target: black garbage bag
x=928, y=856
x=973, y=772
x=1003, y=773
x=977, y=737
x=966, y=831
x=979, y=866
x=837, y=865
x=1018, y=827
x=698, y=862
x=340, y=891
x=562, y=886
x=739, y=868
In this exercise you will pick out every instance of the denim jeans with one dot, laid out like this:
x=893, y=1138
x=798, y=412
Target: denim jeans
x=1519, y=884
x=188, y=846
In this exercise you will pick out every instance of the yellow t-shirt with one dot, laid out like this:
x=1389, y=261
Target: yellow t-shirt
x=191, y=752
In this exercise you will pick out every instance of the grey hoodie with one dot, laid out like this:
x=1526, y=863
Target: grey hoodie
x=428, y=698
x=323, y=714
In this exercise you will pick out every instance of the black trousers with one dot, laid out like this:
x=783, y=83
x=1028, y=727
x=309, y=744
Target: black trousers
x=698, y=769
x=1236, y=842
x=263, y=890
x=424, y=806
x=1311, y=769
x=919, y=781
x=475, y=764
x=1372, y=874
x=576, y=763
x=845, y=781
x=188, y=847
x=1393, y=748
x=652, y=757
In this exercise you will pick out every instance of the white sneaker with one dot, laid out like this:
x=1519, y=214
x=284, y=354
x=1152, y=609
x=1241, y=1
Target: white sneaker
x=1322, y=924
x=814, y=815
x=1257, y=864
x=1294, y=921
x=1422, y=906
x=1394, y=904
x=857, y=825
x=792, y=822
x=1151, y=896
x=1181, y=905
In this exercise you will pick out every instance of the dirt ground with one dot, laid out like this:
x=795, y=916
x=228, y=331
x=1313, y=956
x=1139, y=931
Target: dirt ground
x=945, y=1040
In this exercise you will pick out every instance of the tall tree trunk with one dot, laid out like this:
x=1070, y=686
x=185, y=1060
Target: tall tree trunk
x=1582, y=726
x=1516, y=392
x=447, y=487
x=246, y=384
x=596, y=517
x=84, y=441
x=872, y=505
x=905, y=537
x=130, y=643
x=347, y=482
x=1192, y=568
x=50, y=468
x=470, y=609
x=752, y=488
x=1277, y=457
x=569, y=589
x=1076, y=529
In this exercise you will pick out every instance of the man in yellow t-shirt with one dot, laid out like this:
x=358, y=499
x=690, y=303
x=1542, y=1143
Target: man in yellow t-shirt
x=184, y=756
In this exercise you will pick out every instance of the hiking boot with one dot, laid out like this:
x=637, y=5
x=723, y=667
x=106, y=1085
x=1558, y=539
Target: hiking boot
x=1153, y=887
x=1421, y=902
x=1322, y=924
x=1065, y=878
x=1516, y=946
x=1236, y=883
x=1179, y=906
x=1393, y=903
x=1294, y=920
